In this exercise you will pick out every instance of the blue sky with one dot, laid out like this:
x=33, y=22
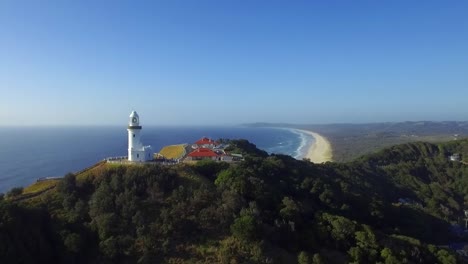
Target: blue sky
x=228, y=62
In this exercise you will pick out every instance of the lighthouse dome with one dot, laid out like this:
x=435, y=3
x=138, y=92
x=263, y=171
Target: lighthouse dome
x=134, y=114
x=134, y=119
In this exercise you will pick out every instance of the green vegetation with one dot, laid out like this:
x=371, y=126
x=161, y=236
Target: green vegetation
x=351, y=141
x=40, y=186
x=265, y=209
x=173, y=151
x=15, y=192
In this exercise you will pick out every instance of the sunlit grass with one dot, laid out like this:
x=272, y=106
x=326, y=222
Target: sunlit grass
x=173, y=151
x=40, y=186
x=96, y=169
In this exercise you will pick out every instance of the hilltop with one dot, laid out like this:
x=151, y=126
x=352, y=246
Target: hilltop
x=398, y=205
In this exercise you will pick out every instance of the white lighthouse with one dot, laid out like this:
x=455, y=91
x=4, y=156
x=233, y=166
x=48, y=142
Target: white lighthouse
x=136, y=151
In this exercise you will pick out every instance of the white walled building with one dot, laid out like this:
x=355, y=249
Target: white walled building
x=136, y=151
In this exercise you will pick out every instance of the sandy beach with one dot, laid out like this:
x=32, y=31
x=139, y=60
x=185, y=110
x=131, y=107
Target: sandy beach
x=321, y=150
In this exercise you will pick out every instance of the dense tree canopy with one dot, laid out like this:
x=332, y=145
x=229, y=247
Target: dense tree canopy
x=396, y=206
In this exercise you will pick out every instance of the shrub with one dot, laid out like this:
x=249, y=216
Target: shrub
x=15, y=192
x=244, y=227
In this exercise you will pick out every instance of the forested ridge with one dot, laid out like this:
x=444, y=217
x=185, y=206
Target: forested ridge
x=394, y=206
x=351, y=141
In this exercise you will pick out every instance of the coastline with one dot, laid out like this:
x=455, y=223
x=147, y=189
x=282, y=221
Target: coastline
x=320, y=151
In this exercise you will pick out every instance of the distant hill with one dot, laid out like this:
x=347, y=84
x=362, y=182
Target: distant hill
x=350, y=141
x=399, y=205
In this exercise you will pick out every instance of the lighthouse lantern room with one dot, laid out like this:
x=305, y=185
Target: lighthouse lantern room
x=136, y=151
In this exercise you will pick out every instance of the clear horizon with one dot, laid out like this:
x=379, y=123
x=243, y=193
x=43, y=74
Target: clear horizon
x=279, y=125
x=232, y=62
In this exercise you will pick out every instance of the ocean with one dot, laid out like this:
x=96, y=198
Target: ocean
x=29, y=153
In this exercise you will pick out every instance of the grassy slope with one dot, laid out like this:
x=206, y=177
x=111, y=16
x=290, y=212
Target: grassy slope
x=173, y=151
x=40, y=186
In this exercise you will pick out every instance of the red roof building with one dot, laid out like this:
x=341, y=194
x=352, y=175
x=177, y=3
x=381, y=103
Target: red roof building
x=206, y=141
x=202, y=153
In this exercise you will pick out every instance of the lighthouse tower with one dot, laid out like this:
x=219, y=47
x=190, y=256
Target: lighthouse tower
x=136, y=151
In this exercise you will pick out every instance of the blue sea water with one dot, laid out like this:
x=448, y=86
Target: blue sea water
x=29, y=153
